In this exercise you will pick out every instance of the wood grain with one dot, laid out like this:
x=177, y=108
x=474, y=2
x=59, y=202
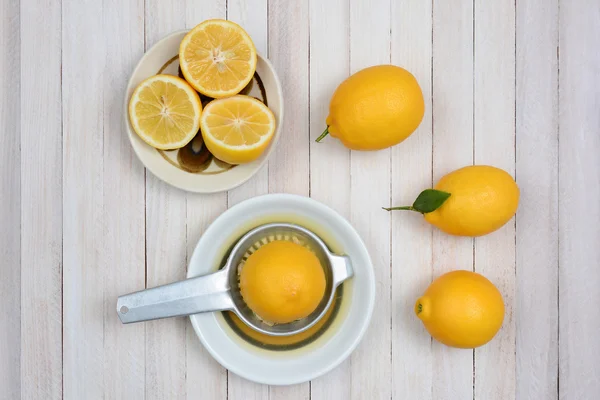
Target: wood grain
x=288, y=51
x=536, y=308
x=166, y=246
x=123, y=247
x=83, y=61
x=252, y=16
x=371, y=363
x=42, y=213
x=452, y=149
x=10, y=191
x=205, y=378
x=579, y=183
x=288, y=29
x=494, y=144
x=330, y=160
x=83, y=222
x=411, y=244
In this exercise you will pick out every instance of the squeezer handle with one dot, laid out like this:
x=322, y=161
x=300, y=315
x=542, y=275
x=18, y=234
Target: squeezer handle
x=190, y=296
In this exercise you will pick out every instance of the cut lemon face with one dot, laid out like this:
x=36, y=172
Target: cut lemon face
x=217, y=58
x=164, y=111
x=237, y=129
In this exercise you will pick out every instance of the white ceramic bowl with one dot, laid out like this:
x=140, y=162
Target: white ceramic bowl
x=339, y=339
x=164, y=54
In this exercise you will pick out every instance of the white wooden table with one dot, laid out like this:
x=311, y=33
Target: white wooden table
x=81, y=222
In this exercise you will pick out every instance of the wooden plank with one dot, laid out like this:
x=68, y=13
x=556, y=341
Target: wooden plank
x=288, y=51
x=411, y=235
x=371, y=363
x=536, y=309
x=329, y=66
x=177, y=364
x=579, y=195
x=41, y=218
x=83, y=61
x=252, y=16
x=205, y=378
x=10, y=184
x=494, y=144
x=123, y=255
x=452, y=149
x=165, y=224
x=240, y=388
x=289, y=165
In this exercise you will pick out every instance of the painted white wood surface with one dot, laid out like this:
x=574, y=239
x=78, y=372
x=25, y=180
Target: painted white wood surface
x=331, y=20
x=494, y=143
x=10, y=188
x=82, y=221
x=371, y=363
x=411, y=245
x=204, y=377
x=42, y=214
x=578, y=183
x=536, y=297
x=452, y=131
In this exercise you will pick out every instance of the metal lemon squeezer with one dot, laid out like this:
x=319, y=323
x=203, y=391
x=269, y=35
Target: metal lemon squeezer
x=220, y=291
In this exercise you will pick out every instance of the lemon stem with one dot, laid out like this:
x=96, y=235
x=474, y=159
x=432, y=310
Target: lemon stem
x=409, y=208
x=325, y=133
x=419, y=308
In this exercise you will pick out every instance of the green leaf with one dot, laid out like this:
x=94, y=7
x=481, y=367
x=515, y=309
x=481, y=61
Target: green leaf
x=430, y=200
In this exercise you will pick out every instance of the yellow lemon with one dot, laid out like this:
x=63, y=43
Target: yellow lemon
x=237, y=129
x=471, y=201
x=165, y=112
x=282, y=282
x=461, y=309
x=375, y=108
x=217, y=58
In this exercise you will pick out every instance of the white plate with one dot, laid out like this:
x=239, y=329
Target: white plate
x=286, y=367
x=213, y=179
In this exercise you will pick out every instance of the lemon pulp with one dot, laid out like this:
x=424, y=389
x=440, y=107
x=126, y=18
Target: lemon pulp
x=237, y=129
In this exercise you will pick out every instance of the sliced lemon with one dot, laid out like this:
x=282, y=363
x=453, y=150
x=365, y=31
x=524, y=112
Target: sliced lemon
x=217, y=58
x=237, y=129
x=164, y=111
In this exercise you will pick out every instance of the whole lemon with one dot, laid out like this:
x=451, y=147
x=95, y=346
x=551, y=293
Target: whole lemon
x=282, y=282
x=461, y=309
x=471, y=201
x=375, y=108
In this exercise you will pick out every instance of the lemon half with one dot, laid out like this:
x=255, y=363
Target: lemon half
x=217, y=58
x=237, y=129
x=164, y=111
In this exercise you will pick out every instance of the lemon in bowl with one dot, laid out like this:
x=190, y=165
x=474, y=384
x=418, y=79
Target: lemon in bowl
x=282, y=282
x=319, y=351
x=218, y=58
x=237, y=129
x=165, y=111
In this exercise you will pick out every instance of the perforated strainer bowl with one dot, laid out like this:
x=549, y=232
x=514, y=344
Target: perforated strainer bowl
x=220, y=291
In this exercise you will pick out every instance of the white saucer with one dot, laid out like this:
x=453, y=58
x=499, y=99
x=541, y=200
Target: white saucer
x=334, y=345
x=206, y=182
